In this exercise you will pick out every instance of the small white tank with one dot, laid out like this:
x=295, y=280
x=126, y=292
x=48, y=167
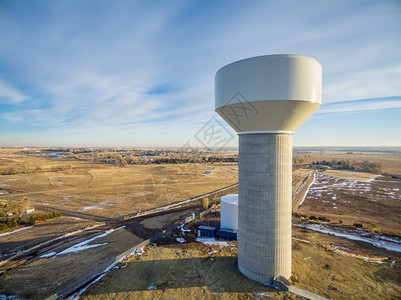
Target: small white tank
x=229, y=212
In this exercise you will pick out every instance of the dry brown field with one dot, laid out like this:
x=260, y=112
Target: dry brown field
x=196, y=270
x=104, y=191
x=390, y=162
x=376, y=205
x=27, y=238
x=330, y=266
x=90, y=194
x=347, y=197
x=51, y=272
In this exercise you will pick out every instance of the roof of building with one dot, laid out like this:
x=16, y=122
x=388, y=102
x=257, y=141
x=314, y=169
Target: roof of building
x=228, y=230
x=203, y=227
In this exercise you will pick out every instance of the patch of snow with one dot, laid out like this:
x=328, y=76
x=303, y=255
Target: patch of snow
x=374, y=261
x=84, y=245
x=262, y=295
x=335, y=247
x=142, y=193
x=7, y=233
x=79, y=247
x=48, y=255
x=372, y=178
x=349, y=252
x=75, y=218
x=212, y=241
x=377, y=240
x=180, y=240
x=55, y=239
x=302, y=184
x=92, y=207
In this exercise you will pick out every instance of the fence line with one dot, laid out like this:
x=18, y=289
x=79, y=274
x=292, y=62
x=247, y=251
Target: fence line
x=299, y=195
x=177, y=204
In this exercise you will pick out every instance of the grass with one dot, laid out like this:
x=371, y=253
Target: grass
x=390, y=163
x=197, y=271
x=106, y=190
x=119, y=191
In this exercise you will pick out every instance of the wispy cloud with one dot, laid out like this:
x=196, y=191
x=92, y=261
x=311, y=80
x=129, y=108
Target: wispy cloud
x=134, y=66
x=373, y=104
x=9, y=95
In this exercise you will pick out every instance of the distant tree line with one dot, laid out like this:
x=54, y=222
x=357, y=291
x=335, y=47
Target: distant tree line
x=369, y=167
x=26, y=168
x=122, y=160
x=365, y=165
x=344, y=164
x=20, y=169
x=211, y=159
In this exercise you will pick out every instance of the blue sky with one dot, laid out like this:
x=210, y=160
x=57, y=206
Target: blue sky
x=141, y=73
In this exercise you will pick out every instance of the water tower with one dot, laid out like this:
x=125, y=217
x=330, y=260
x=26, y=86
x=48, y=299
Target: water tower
x=265, y=99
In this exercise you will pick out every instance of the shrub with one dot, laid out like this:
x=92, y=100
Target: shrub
x=8, y=223
x=205, y=202
x=357, y=225
x=324, y=219
x=296, y=215
x=59, y=168
x=299, y=215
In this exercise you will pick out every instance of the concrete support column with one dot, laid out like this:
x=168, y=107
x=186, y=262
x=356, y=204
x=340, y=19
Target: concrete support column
x=265, y=185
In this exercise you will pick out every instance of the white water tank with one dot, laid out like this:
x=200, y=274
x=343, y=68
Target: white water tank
x=265, y=99
x=229, y=212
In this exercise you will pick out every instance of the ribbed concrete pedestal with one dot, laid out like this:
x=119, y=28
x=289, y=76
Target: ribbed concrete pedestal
x=264, y=233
